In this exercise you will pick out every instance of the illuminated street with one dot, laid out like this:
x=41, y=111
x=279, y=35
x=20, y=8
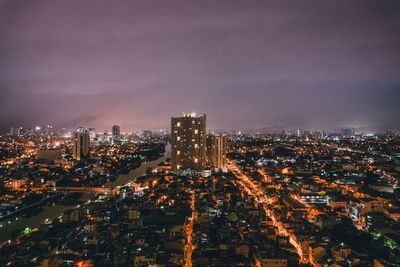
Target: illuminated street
x=260, y=198
x=189, y=246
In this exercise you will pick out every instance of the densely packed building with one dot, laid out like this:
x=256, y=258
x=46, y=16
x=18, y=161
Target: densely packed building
x=303, y=199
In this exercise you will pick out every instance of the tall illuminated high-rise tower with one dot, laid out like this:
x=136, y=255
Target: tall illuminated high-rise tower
x=116, y=132
x=217, y=151
x=81, y=144
x=188, y=135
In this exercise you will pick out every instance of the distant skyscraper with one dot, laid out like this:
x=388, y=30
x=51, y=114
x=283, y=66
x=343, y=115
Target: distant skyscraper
x=81, y=144
x=188, y=135
x=348, y=132
x=116, y=131
x=147, y=134
x=217, y=153
x=92, y=133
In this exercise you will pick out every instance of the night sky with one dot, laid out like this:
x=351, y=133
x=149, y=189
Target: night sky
x=246, y=64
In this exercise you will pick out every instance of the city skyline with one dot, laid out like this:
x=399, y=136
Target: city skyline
x=276, y=129
x=228, y=133
x=313, y=65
